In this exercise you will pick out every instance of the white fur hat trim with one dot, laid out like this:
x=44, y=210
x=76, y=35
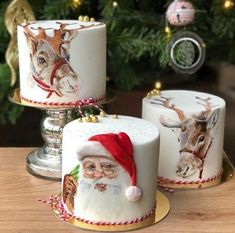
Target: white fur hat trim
x=92, y=148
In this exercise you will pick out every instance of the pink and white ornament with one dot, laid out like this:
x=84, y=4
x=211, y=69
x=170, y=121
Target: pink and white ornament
x=180, y=13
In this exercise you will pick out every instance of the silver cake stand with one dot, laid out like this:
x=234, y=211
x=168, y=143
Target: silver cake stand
x=45, y=162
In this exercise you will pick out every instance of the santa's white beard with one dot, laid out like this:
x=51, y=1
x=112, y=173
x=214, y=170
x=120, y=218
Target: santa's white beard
x=107, y=205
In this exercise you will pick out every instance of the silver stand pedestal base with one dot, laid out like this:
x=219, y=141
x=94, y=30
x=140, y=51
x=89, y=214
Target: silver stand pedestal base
x=45, y=162
x=39, y=165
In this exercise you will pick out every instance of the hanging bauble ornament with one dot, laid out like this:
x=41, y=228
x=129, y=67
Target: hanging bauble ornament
x=180, y=13
x=186, y=52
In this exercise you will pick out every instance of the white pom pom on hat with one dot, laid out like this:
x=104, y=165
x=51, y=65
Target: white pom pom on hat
x=133, y=193
x=119, y=147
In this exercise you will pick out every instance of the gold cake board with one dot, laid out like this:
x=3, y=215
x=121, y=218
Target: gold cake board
x=163, y=208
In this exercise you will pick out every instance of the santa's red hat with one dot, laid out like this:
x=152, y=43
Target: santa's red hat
x=118, y=147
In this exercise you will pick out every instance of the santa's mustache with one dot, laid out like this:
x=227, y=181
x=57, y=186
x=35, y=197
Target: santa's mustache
x=89, y=184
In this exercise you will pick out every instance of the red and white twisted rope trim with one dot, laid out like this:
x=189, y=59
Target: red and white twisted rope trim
x=78, y=103
x=57, y=204
x=162, y=180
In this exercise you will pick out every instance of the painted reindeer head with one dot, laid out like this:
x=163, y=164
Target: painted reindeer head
x=50, y=60
x=195, y=138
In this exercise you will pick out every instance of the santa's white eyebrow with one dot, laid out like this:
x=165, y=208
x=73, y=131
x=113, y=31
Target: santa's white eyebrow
x=88, y=161
x=104, y=160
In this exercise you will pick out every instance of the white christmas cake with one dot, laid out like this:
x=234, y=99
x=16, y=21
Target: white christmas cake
x=109, y=170
x=62, y=62
x=191, y=125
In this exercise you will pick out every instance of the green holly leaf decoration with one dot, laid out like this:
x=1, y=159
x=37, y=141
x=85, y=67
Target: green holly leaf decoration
x=75, y=173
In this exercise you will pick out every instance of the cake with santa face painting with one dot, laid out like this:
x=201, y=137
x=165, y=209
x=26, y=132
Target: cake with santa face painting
x=62, y=62
x=192, y=132
x=109, y=169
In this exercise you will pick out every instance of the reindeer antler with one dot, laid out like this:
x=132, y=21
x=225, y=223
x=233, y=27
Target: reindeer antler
x=39, y=36
x=56, y=40
x=164, y=101
x=207, y=104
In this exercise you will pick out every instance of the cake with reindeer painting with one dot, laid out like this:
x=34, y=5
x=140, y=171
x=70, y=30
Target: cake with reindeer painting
x=62, y=62
x=109, y=170
x=191, y=125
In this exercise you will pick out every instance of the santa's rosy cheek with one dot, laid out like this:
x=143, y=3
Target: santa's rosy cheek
x=88, y=176
x=112, y=176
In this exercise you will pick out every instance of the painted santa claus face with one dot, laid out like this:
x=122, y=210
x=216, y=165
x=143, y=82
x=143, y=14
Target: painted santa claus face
x=102, y=182
x=96, y=168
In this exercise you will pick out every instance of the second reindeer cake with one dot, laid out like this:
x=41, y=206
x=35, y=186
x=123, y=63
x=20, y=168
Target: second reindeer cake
x=109, y=169
x=62, y=61
x=191, y=125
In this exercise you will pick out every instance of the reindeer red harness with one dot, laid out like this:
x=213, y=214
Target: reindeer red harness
x=200, y=156
x=45, y=86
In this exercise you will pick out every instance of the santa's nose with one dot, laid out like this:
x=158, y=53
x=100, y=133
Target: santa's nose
x=98, y=174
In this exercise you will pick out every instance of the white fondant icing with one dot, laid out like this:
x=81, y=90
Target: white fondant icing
x=114, y=207
x=179, y=135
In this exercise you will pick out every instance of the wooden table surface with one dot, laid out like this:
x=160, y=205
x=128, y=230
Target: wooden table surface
x=205, y=210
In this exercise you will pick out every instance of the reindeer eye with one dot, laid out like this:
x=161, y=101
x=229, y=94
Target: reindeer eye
x=41, y=60
x=183, y=128
x=201, y=138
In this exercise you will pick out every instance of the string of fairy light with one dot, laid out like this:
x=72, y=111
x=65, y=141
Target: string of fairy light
x=228, y=4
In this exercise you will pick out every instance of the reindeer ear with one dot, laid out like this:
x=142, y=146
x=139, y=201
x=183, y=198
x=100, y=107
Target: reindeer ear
x=213, y=118
x=73, y=33
x=31, y=43
x=64, y=51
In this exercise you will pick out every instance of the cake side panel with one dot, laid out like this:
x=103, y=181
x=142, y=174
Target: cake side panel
x=213, y=161
x=26, y=83
x=88, y=59
x=147, y=158
x=70, y=169
x=169, y=147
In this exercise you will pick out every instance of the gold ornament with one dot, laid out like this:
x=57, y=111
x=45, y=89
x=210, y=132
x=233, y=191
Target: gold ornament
x=80, y=18
x=94, y=119
x=87, y=119
x=115, y=116
x=156, y=90
x=103, y=114
x=86, y=18
x=18, y=11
